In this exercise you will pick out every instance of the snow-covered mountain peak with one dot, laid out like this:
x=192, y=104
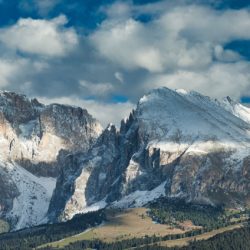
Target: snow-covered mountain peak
x=168, y=95
x=166, y=112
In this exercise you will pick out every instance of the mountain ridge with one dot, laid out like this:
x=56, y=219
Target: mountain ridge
x=148, y=148
x=174, y=144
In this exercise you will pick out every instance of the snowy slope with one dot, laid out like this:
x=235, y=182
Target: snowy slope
x=31, y=206
x=190, y=113
x=176, y=121
x=237, y=109
x=140, y=198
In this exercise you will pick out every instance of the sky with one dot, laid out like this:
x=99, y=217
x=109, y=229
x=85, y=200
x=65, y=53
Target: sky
x=103, y=55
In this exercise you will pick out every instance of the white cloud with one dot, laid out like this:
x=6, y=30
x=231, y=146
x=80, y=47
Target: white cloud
x=106, y=113
x=96, y=89
x=40, y=37
x=183, y=37
x=218, y=80
x=125, y=43
x=14, y=69
x=202, y=24
x=225, y=55
x=118, y=10
x=119, y=77
x=7, y=69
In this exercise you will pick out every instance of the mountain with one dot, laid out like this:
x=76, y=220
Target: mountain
x=34, y=140
x=56, y=161
x=176, y=143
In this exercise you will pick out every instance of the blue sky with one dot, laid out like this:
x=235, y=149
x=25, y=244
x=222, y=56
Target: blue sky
x=104, y=55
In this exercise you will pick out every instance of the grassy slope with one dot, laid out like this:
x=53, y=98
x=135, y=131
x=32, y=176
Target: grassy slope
x=135, y=223
x=123, y=225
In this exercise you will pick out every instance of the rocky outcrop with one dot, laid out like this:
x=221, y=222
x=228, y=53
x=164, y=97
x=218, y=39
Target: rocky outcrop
x=8, y=192
x=33, y=134
x=35, y=140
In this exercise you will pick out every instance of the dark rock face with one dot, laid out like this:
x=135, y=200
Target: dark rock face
x=65, y=185
x=8, y=192
x=86, y=178
x=17, y=109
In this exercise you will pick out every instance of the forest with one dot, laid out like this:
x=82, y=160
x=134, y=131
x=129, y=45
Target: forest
x=173, y=211
x=30, y=238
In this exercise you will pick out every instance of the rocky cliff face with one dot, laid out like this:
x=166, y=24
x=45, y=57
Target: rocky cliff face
x=176, y=143
x=34, y=140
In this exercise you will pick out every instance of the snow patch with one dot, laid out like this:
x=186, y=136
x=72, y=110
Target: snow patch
x=140, y=198
x=31, y=206
x=95, y=207
x=182, y=91
x=133, y=171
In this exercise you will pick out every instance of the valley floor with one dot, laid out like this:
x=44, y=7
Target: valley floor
x=135, y=223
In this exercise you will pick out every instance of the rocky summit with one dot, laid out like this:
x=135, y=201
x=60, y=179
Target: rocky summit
x=34, y=140
x=56, y=161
